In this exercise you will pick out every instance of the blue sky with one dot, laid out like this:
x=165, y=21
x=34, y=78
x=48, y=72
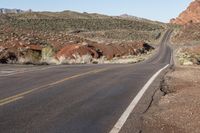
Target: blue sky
x=161, y=10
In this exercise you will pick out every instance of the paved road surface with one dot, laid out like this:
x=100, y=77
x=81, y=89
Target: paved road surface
x=72, y=99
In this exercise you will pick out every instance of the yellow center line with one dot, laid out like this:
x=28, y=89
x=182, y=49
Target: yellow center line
x=11, y=100
x=23, y=94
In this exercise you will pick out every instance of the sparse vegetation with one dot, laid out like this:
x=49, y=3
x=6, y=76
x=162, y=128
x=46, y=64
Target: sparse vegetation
x=186, y=40
x=88, y=59
x=47, y=53
x=189, y=56
x=187, y=34
x=38, y=36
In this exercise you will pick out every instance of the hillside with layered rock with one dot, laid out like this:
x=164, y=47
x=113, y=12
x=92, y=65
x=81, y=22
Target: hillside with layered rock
x=57, y=37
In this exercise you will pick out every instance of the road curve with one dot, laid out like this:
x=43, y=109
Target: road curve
x=73, y=99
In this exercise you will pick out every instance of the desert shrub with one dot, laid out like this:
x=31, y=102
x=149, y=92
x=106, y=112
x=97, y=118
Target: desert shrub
x=29, y=57
x=87, y=24
x=47, y=53
x=84, y=59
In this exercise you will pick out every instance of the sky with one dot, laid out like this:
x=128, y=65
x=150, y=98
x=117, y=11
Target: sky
x=160, y=10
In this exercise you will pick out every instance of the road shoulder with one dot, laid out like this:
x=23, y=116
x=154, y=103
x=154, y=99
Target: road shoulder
x=134, y=123
x=178, y=110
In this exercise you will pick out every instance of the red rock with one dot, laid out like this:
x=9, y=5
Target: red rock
x=190, y=15
x=75, y=49
x=97, y=50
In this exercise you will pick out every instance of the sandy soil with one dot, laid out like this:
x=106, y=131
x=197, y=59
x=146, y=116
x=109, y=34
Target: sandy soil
x=177, y=111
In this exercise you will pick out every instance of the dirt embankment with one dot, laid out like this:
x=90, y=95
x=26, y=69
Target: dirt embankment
x=109, y=51
x=186, y=42
x=187, y=34
x=177, y=111
x=75, y=52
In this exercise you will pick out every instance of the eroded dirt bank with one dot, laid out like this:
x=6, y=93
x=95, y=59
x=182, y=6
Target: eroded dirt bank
x=74, y=53
x=177, y=111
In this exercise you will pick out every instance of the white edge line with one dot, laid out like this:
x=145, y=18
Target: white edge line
x=119, y=124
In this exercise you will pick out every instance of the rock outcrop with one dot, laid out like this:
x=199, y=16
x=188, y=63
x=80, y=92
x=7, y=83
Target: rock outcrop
x=69, y=37
x=190, y=15
x=109, y=51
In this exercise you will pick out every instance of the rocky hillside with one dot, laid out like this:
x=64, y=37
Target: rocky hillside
x=187, y=34
x=190, y=15
x=45, y=36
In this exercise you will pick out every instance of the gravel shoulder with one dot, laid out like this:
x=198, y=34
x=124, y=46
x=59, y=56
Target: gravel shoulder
x=178, y=110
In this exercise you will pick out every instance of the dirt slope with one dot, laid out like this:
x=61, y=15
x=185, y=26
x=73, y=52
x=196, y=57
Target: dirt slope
x=178, y=110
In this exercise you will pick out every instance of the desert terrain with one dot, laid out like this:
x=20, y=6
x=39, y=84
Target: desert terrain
x=75, y=38
x=177, y=110
x=87, y=72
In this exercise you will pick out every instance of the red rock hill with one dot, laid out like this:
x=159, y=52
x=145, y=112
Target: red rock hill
x=190, y=15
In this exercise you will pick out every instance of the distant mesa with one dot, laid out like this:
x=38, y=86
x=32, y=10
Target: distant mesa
x=190, y=15
x=6, y=10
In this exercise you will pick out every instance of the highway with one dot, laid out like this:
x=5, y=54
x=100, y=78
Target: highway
x=73, y=98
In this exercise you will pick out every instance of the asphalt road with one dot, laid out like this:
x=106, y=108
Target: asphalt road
x=72, y=99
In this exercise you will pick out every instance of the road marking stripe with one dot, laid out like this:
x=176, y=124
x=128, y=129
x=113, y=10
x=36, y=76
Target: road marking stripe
x=11, y=100
x=119, y=124
x=22, y=95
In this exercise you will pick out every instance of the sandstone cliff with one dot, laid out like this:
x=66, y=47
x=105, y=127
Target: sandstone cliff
x=190, y=15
